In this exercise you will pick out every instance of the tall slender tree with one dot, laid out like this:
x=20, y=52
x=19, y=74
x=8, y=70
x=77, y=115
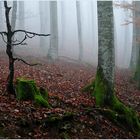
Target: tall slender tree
x=43, y=22
x=21, y=15
x=135, y=56
x=1, y=14
x=79, y=30
x=14, y=15
x=136, y=33
x=53, y=50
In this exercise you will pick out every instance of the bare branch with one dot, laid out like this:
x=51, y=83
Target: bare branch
x=32, y=33
x=20, y=42
x=19, y=59
x=2, y=34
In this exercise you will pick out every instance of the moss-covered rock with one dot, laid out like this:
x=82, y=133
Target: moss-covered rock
x=27, y=90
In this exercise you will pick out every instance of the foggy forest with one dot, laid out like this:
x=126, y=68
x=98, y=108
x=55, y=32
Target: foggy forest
x=70, y=69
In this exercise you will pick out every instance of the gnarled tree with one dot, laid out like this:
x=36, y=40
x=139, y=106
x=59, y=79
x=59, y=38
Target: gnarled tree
x=8, y=39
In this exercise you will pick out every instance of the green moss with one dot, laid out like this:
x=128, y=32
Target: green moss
x=102, y=91
x=126, y=115
x=44, y=93
x=27, y=90
x=89, y=87
x=41, y=101
x=116, y=110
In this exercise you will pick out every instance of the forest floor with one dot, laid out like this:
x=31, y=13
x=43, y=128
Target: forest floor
x=75, y=110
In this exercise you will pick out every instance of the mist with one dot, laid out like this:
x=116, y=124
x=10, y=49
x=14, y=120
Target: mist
x=37, y=19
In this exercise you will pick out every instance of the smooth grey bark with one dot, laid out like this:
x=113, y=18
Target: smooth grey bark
x=104, y=83
x=53, y=50
x=79, y=30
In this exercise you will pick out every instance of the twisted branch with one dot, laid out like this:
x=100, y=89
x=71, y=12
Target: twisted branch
x=19, y=59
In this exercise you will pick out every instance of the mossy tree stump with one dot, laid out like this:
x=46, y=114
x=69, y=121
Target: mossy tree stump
x=27, y=90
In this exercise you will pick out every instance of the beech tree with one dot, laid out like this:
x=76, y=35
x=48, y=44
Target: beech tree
x=10, y=43
x=103, y=86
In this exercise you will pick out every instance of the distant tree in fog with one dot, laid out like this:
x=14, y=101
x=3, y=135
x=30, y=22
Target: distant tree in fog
x=135, y=54
x=0, y=14
x=21, y=15
x=53, y=50
x=79, y=30
x=14, y=15
x=14, y=19
x=62, y=23
x=10, y=43
x=43, y=22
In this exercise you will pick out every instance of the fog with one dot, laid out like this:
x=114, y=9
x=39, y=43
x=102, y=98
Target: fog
x=68, y=46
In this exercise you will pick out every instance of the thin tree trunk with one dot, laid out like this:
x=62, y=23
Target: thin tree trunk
x=21, y=16
x=53, y=50
x=13, y=19
x=1, y=15
x=42, y=10
x=133, y=52
x=10, y=87
x=79, y=30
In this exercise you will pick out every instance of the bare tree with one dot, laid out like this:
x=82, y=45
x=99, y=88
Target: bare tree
x=9, y=43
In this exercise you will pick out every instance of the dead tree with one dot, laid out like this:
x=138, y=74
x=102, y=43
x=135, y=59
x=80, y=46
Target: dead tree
x=8, y=39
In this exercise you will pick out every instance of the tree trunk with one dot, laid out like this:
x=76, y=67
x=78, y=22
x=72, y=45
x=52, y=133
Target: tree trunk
x=1, y=15
x=21, y=16
x=10, y=87
x=43, y=23
x=79, y=30
x=104, y=83
x=53, y=50
x=137, y=71
x=13, y=20
x=136, y=33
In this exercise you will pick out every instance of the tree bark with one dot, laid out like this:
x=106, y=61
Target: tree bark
x=10, y=87
x=104, y=83
x=105, y=70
